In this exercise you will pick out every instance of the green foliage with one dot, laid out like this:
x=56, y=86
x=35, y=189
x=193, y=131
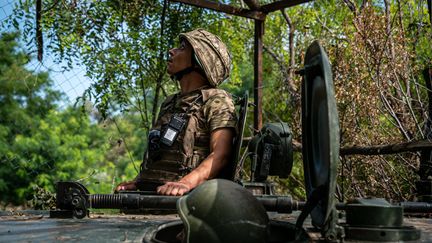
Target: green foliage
x=41, y=144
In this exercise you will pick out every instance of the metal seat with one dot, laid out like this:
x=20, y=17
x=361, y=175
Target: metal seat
x=229, y=172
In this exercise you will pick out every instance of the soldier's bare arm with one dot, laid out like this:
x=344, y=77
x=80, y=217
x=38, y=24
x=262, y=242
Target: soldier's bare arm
x=220, y=153
x=126, y=186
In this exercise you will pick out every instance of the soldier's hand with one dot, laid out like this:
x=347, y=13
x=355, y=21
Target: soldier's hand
x=173, y=189
x=126, y=186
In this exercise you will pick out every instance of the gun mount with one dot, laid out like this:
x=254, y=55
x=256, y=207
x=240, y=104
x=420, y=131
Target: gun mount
x=366, y=219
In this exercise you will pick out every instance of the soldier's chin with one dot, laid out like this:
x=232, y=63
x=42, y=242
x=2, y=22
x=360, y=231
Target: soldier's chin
x=169, y=71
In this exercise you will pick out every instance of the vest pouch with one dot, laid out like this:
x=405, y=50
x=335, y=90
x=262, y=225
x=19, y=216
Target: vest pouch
x=196, y=159
x=154, y=144
x=193, y=161
x=172, y=129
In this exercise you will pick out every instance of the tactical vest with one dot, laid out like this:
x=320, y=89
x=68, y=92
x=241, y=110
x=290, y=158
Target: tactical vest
x=191, y=147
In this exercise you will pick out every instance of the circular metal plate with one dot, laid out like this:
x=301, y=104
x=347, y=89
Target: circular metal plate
x=320, y=132
x=373, y=212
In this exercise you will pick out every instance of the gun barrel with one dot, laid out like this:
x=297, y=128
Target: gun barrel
x=416, y=207
x=280, y=204
x=132, y=201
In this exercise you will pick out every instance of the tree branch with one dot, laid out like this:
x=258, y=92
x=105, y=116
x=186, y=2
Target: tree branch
x=39, y=37
x=161, y=53
x=291, y=46
x=413, y=146
x=351, y=6
x=282, y=65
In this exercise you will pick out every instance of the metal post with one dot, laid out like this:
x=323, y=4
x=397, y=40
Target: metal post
x=258, y=49
x=424, y=185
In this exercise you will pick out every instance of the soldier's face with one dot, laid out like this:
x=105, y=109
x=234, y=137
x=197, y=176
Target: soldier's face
x=179, y=58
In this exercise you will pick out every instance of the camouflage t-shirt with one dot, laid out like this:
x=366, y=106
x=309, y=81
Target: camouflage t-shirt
x=206, y=110
x=217, y=111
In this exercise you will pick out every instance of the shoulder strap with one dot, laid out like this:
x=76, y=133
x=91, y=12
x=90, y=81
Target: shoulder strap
x=169, y=99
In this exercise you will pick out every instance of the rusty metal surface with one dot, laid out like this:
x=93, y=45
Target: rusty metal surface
x=278, y=5
x=224, y=8
x=98, y=228
x=38, y=227
x=424, y=185
x=258, y=69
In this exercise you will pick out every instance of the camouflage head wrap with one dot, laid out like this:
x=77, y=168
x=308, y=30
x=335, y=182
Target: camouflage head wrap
x=211, y=53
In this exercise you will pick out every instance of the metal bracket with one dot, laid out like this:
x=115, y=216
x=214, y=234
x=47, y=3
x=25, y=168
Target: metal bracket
x=72, y=200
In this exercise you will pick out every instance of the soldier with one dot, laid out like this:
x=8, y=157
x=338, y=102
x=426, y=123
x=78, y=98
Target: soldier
x=192, y=138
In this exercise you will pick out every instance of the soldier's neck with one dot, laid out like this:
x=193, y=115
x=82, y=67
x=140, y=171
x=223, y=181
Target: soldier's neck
x=191, y=82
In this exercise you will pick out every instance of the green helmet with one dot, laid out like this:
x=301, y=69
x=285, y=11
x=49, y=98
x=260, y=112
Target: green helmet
x=222, y=211
x=211, y=54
